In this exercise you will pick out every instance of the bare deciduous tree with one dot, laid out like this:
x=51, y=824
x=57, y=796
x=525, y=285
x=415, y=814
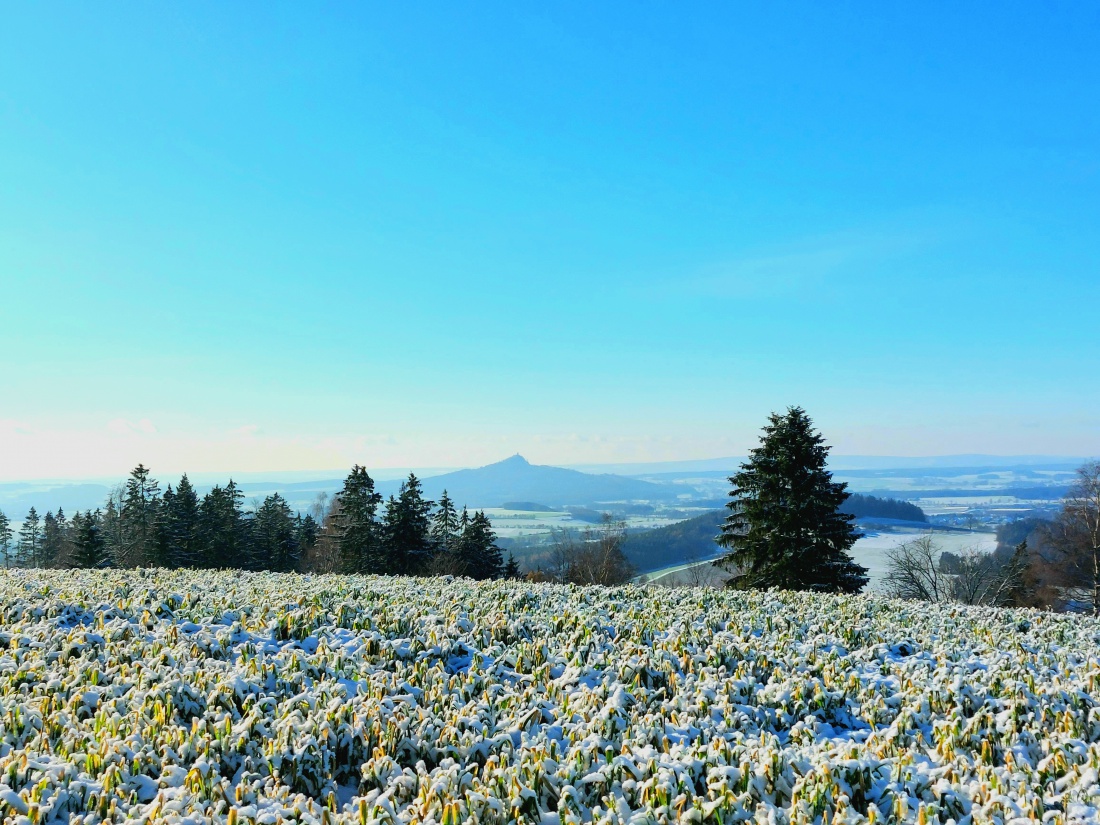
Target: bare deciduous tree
x=1082, y=508
x=324, y=555
x=916, y=570
x=321, y=507
x=595, y=556
x=696, y=573
x=447, y=563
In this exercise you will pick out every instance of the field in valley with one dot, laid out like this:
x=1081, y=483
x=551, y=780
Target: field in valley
x=190, y=696
x=871, y=550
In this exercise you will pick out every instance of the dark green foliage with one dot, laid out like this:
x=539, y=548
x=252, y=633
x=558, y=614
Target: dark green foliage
x=406, y=530
x=53, y=539
x=139, y=526
x=862, y=506
x=511, y=568
x=444, y=528
x=139, y=516
x=111, y=525
x=5, y=540
x=224, y=531
x=178, y=539
x=89, y=545
x=446, y=536
x=785, y=528
x=358, y=534
x=307, y=531
x=275, y=536
x=29, y=550
x=477, y=548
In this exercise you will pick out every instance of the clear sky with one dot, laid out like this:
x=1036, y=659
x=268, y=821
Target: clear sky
x=240, y=237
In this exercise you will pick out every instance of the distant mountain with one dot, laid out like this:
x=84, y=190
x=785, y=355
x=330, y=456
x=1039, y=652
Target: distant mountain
x=527, y=507
x=16, y=499
x=514, y=479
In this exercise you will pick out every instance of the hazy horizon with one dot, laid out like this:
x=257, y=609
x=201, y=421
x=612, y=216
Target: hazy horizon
x=291, y=239
x=837, y=462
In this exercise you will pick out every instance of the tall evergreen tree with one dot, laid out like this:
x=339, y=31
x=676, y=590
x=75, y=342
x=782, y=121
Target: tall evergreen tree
x=68, y=539
x=179, y=542
x=481, y=557
x=53, y=538
x=444, y=528
x=29, y=549
x=446, y=537
x=139, y=514
x=112, y=527
x=276, y=536
x=511, y=568
x=5, y=540
x=163, y=548
x=785, y=527
x=307, y=530
x=223, y=528
x=355, y=522
x=90, y=547
x=406, y=529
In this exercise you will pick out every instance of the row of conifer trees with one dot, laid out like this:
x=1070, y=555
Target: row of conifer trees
x=141, y=526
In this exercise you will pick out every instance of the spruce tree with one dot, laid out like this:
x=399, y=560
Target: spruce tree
x=785, y=527
x=67, y=533
x=276, y=536
x=139, y=508
x=5, y=540
x=90, y=549
x=179, y=540
x=113, y=528
x=444, y=528
x=164, y=547
x=478, y=549
x=406, y=529
x=29, y=548
x=223, y=529
x=511, y=568
x=355, y=522
x=307, y=531
x=446, y=537
x=53, y=538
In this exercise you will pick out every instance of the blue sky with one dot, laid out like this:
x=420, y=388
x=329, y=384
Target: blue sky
x=293, y=236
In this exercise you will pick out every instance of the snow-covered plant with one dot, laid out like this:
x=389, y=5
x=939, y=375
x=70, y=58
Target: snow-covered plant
x=262, y=698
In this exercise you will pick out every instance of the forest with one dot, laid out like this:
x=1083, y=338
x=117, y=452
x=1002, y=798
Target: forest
x=142, y=526
x=865, y=506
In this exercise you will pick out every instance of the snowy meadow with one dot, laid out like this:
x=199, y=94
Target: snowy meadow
x=185, y=696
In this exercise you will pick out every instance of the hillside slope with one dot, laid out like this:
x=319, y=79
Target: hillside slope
x=676, y=543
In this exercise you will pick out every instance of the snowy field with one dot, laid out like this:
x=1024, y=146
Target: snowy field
x=870, y=551
x=191, y=697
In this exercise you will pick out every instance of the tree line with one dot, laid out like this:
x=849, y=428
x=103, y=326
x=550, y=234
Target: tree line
x=867, y=506
x=142, y=526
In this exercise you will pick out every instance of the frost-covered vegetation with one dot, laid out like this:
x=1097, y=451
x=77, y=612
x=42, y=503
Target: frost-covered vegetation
x=185, y=696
